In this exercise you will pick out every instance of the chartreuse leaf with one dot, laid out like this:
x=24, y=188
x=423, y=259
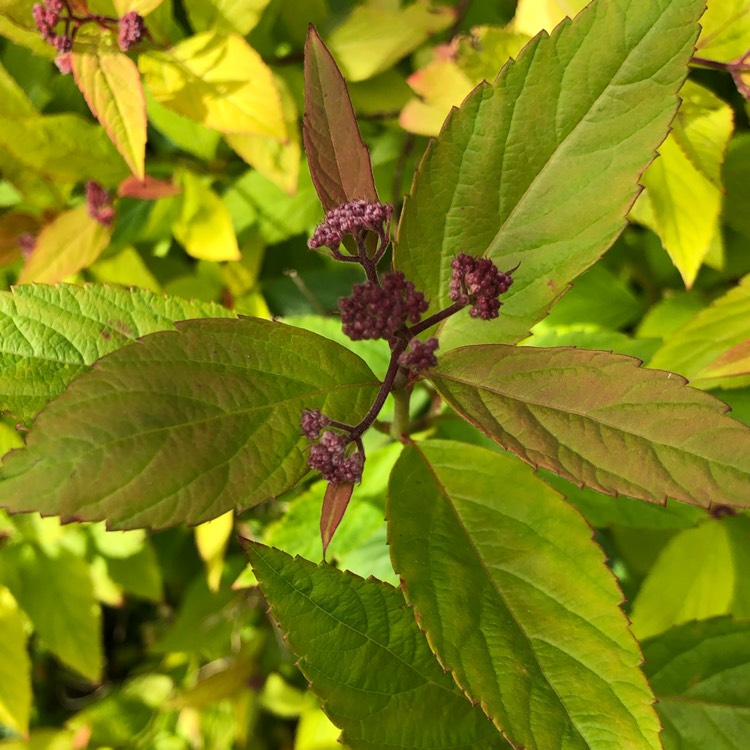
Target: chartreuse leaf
x=726, y=30
x=702, y=572
x=376, y=35
x=225, y=15
x=600, y=420
x=218, y=80
x=185, y=426
x=361, y=650
x=204, y=225
x=534, y=15
x=516, y=600
x=15, y=668
x=696, y=349
x=701, y=674
x=538, y=170
x=110, y=83
x=51, y=334
x=339, y=160
x=70, y=243
x=682, y=199
x=53, y=587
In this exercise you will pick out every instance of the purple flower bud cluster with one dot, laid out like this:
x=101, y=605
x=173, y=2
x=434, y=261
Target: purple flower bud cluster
x=350, y=218
x=312, y=422
x=46, y=17
x=329, y=458
x=378, y=312
x=420, y=356
x=98, y=204
x=478, y=281
x=132, y=30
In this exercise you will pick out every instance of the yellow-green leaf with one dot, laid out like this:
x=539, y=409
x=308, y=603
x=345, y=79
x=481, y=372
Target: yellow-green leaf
x=15, y=668
x=534, y=15
x=230, y=15
x=144, y=7
x=726, y=30
x=73, y=241
x=111, y=85
x=204, y=226
x=211, y=540
x=218, y=80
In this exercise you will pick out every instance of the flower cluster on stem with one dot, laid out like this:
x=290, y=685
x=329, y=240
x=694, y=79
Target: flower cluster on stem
x=387, y=307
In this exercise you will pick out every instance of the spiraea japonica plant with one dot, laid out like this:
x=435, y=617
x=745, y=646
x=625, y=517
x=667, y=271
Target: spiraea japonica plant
x=507, y=630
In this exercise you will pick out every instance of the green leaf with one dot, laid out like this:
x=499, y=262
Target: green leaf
x=51, y=334
x=204, y=225
x=701, y=674
x=375, y=36
x=185, y=426
x=701, y=573
x=534, y=15
x=15, y=667
x=339, y=161
x=600, y=420
x=54, y=588
x=683, y=193
x=110, y=83
x=516, y=600
x=726, y=30
x=219, y=81
x=547, y=168
x=697, y=347
x=359, y=646
x=70, y=243
x=225, y=15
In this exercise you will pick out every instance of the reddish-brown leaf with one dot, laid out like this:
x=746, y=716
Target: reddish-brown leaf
x=339, y=161
x=147, y=189
x=335, y=504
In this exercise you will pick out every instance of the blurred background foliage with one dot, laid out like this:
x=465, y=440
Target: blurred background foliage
x=135, y=640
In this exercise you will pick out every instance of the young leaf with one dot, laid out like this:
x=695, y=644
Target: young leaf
x=725, y=34
x=185, y=425
x=600, y=420
x=110, y=83
x=15, y=667
x=335, y=503
x=701, y=674
x=70, y=243
x=516, y=600
x=40, y=354
x=339, y=161
x=359, y=646
x=538, y=170
x=218, y=80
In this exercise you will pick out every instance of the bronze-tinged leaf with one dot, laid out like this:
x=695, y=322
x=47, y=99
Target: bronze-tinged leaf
x=335, y=504
x=601, y=420
x=148, y=189
x=339, y=161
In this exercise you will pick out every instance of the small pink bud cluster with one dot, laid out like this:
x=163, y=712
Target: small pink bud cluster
x=328, y=456
x=378, y=312
x=350, y=218
x=46, y=17
x=132, y=30
x=312, y=422
x=420, y=356
x=98, y=203
x=478, y=281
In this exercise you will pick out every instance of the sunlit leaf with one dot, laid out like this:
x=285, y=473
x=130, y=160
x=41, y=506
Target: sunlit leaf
x=71, y=242
x=534, y=15
x=111, y=85
x=15, y=667
x=225, y=15
x=219, y=81
x=601, y=420
x=41, y=353
x=515, y=599
x=534, y=171
x=726, y=30
x=360, y=647
x=185, y=425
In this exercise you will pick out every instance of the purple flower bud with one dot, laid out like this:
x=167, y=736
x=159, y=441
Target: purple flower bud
x=46, y=19
x=350, y=218
x=312, y=422
x=329, y=458
x=62, y=43
x=375, y=312
x=132, y=30
x=421, y=355
x=98, y=203
x=478, y=281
